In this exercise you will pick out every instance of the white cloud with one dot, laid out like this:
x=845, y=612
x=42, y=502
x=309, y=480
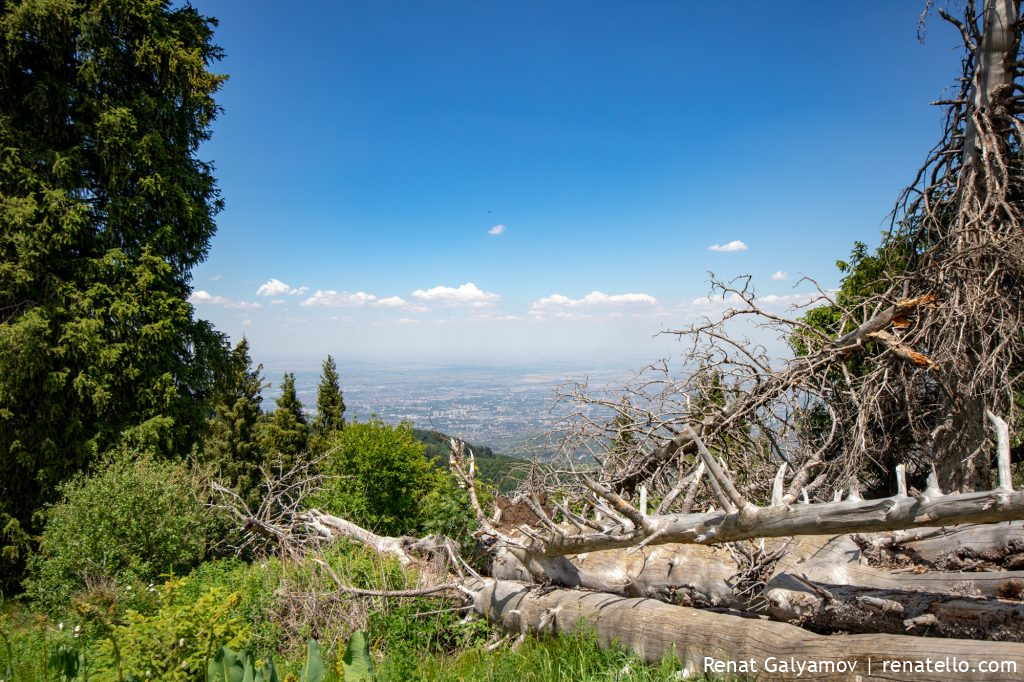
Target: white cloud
x=735, y=245
x=278, y=301
x=487, y=316
x=467, y=294
x=214, y=278
x=707, y=301
x=597, y=298
x=780, y=275
x=496, y=230
x=336, y=299
x=788, y=299
x=594, y=298
x=406, y=320
x=768, y=300
x=246, y=323
x=275, y=287
x=201, y=297
x=391, y=302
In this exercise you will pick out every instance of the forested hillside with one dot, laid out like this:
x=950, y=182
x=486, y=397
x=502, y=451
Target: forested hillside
x=504, y=473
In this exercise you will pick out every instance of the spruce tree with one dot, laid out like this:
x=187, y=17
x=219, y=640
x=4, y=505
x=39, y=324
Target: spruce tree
x=330, y=403
x=285, y=433
x=233, y=443
x=105, y=210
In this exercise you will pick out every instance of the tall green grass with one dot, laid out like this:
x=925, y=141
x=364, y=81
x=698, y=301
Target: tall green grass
x=575, y=657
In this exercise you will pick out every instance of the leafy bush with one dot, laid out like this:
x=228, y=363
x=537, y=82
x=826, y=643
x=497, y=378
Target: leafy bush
x=174, y=643
x=445, y=510
x=287, y=602
x=24, y=645
x=377, y=475
x=129, y=522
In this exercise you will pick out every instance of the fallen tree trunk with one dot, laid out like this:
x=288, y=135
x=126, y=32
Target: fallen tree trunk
x=690, y=575
x=835, y=591
x=750, y=647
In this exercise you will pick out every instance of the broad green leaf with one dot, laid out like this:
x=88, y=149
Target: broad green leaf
x=226, y=666
x=249, y=674
x=356, y=662
x=313, y=669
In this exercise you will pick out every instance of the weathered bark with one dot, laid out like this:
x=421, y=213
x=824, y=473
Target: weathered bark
x=407, y=549
x=655, y=630
x=628, y=526
x=835, y=591
x=995, y=70
x=690, y=575
x=820, y=582
x=852, y=515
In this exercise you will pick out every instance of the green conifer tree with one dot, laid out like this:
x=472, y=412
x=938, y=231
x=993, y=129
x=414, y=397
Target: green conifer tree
x=233, y=443
x=285, y=433
x=330, y=407
x=105, y=209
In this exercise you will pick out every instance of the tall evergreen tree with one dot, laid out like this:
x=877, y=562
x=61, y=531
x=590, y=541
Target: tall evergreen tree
x=233, y=443
x=330, y=403
x=105, y=210
x=285, y=433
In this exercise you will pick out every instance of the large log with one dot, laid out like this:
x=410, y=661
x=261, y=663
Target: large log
x=691, y=575
x=754, y=648
x=836, y=590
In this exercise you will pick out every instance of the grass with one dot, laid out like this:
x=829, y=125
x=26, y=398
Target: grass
x=572, y=658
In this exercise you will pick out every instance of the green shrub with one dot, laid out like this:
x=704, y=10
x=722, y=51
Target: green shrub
x=377, y=474
x=173, y=644
x=129, y=522
x=445, y=510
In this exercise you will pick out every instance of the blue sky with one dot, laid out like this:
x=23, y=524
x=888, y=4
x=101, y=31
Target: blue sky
x=369, y=151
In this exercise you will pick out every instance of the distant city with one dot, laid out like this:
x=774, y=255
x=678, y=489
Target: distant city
x=510, y=408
